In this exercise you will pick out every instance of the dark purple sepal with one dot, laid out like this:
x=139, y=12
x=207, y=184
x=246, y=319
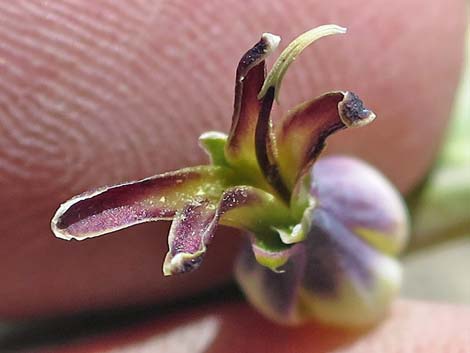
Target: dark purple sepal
x=301, y=137
x=265, y=147
x=250, y=77
x=111, y=208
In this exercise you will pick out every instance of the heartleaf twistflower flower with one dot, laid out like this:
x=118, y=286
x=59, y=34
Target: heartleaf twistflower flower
x=322, y=234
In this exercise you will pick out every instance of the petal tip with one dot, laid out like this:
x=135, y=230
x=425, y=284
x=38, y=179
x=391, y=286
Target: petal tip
x=62, y=230
x=56, y=220
x=340, y=29
x=352, y=111
x=181, y=263
x=271, y=42
x=58, y=233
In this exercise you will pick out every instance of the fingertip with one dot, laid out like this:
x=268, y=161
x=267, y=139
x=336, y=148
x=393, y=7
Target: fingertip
x=233, y=327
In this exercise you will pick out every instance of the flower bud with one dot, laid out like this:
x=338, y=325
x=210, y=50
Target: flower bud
x=341, y=273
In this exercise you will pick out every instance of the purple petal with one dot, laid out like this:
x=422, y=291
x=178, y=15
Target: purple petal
x=301, y=136
x=363, y=200
x=335, y=255
x=346, y=281
x=112, y=208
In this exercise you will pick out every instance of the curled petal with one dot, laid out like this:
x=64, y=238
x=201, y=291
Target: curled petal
x=301, y=137
x=191, y=230
x=243, y=207
x=108, y=209
x=363, y=200
x=346, y=281
x=249, y=80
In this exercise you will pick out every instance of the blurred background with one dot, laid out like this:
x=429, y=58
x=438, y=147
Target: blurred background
x=437, y=257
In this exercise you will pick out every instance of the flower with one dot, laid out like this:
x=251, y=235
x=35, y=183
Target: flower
x=322, y=235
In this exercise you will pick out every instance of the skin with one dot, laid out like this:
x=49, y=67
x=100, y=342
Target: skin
x=96, y=93
x=234, y=327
